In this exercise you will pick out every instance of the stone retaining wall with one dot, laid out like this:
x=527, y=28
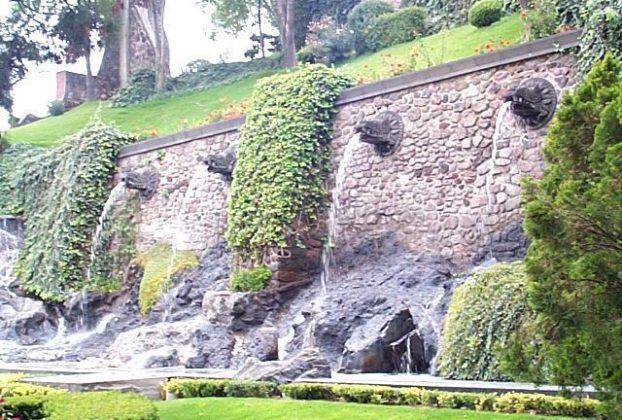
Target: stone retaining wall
x=441, y=193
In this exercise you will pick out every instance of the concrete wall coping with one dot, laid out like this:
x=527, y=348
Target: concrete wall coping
x=526, y=51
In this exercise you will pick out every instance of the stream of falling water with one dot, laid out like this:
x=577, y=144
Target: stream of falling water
x=335, y=206
x=500, y=125
x=178, y=234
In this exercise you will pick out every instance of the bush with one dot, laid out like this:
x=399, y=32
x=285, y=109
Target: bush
x=81, y=406
x=251, y=280
x=10, y=386
x=541, y=20
x=327, y=43
x=251, y=389
x=313, y=391
x=542, y=404
x=193, y=388
x=444, y=13
x=56, y=108
x=360, y=19
x=482, y=315
x=396, y=28
x=485, y=13
x=142, y=86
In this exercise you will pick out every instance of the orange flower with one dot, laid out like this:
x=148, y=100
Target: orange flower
x=477, y=50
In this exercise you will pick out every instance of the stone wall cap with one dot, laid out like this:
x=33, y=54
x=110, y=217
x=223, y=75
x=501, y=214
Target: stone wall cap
x=545, y=46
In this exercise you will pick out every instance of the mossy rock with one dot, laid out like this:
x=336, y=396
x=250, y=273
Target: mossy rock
x=160, y=263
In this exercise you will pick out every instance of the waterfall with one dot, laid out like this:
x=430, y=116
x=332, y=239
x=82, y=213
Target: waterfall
x=178, y=234
x=335, y=205
x=500, y=124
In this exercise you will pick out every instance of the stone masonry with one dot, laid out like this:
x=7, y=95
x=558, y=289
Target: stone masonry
x=441, y=193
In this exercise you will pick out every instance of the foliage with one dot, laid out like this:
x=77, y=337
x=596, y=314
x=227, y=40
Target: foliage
x=282, y=160
x=141, y=87
x=483, y=313
x=62, y=193
x=56, y=108
x=602, y=32
x=201, y=74
x=445, y=13
x=10, y=386
x=574, y=261
x=192, y=388
x=86, y=405
x=504, y=403
x=160, y=263
x=485, y=13
x=17, y=48
x=396, y=28
x=251, y=280
x=113, y=255
x=327, y=43
x=541, y=19
x=12, y=158
x=361, y=16
x=368, y=394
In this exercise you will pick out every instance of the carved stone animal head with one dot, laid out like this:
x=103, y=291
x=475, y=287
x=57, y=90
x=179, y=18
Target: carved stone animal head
x=222, y=163
x=385, y=132
x=534, y=102
x=146, y=181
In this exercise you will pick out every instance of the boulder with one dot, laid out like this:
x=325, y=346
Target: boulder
x=307, y=364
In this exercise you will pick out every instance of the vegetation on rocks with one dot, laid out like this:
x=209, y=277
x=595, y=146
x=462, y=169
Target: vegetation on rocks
x=602, y=31
x=483, y=314
x=282, y=161
x=160, y=263
x=251, y=280
x=61, y=194
x=574, y=261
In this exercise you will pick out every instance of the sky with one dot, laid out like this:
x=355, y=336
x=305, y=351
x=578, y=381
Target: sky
x=188, y=27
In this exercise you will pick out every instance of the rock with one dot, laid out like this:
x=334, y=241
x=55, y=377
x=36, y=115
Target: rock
x=251, y=309
x=378, y=345
x=307, y=364
x=164, y=360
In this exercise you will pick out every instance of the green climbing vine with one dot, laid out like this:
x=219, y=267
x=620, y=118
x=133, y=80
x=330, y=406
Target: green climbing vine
x=282, y=160
x=117, y=248
x=61, y=193
x=11, y=158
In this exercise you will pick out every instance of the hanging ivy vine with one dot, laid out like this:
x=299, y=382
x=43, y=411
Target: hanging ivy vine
x=61, y=193
x=11, y=157
x=282, y=160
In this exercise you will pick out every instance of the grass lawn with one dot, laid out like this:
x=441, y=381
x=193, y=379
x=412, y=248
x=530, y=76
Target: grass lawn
x=265, y=409
x=165, y=116
x=445, y=46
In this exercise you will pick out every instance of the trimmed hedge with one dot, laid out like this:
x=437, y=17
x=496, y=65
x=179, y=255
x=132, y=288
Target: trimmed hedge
x=193, y=388
x=82, y=406
x=363, y=394
x=396, y=28
x=485, y=13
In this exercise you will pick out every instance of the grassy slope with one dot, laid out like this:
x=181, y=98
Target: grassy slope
x=166, y=116
x=264, y=409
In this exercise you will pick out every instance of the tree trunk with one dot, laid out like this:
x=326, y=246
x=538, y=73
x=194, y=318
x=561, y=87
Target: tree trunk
x=161, y=47
x=90, y=86
x=262, y=41
x=287, y=30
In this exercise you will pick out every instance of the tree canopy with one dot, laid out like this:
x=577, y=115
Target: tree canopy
x=574, y=219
